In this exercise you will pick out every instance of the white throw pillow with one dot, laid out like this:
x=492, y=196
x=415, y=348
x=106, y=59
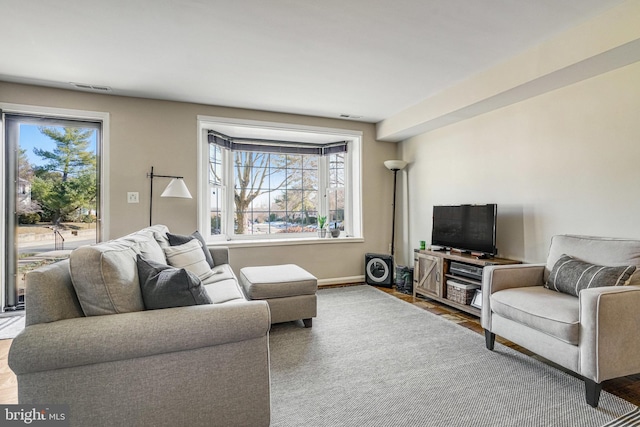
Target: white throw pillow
x=190, y=257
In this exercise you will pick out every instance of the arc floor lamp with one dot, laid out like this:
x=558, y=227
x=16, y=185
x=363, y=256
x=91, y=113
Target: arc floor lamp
x=176, y=188
x=394, y=166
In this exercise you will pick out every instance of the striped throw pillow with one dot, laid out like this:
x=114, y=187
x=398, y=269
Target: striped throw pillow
x=570, y=275
x=190, y=257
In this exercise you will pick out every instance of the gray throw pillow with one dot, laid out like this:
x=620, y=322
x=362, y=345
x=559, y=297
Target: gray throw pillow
x=163, y=286
x=570, y=275
x=177, y=239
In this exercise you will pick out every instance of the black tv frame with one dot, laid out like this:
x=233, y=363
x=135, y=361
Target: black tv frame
x=452, y=228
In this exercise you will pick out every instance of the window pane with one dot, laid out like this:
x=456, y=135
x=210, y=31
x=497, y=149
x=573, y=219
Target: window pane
x=336, y=170
x=216, y=210
x=294, y=178
x=310, y=179
x=215, y=164
x=275, y=193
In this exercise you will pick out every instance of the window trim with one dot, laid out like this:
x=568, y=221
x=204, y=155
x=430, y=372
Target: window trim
x=353, y=170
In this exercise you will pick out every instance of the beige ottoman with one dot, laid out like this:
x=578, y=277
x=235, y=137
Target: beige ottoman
x=289, y=290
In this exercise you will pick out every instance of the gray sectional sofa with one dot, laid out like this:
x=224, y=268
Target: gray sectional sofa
x=90, y=343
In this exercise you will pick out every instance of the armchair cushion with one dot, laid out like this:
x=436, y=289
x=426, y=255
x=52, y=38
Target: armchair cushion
x=570, y=275
x=547, y=311
x=165, y=287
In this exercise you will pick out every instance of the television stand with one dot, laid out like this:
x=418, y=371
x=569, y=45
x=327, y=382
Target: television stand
x=462, y=252
x=432, y=270
x=481, y=256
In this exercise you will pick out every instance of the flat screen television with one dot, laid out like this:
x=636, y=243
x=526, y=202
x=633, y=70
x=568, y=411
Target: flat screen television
x=468, y=228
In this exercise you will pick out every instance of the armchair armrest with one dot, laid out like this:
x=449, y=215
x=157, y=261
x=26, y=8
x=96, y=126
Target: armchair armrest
x=609, y=340
x=498, y=277
x=98, y=339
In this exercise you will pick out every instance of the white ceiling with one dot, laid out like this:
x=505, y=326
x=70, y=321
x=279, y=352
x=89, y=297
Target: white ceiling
x=367, y=58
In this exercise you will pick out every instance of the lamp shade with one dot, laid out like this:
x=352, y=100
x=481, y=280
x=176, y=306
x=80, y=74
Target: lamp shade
x=176, y=188
x=395, y=165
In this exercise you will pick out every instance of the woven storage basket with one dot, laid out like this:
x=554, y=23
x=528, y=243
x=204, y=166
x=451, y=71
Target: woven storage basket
x=460, y=292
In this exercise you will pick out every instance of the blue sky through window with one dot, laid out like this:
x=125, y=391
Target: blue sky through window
x=30, y=138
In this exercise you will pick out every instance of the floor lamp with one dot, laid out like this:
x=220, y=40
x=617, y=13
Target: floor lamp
x=394, y=166
x=176, y=188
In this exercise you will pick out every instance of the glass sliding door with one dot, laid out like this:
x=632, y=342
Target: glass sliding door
x=51, y=194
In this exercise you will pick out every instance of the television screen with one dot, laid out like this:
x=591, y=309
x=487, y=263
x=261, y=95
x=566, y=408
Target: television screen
x=465, y=227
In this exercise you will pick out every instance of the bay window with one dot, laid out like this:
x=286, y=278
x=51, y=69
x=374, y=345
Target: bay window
x=266, y=181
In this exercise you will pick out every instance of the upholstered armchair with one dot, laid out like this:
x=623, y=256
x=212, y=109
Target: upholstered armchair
x=573, y=310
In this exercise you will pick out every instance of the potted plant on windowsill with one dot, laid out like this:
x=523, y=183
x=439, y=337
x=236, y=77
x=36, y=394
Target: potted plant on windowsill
x=322, y=231
x=335, y=231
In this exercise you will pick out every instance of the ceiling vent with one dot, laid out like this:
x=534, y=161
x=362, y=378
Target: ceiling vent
x=350, y=116
x=94, y=88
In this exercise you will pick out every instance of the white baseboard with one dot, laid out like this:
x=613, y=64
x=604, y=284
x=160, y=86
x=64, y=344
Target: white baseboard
x=341, y=280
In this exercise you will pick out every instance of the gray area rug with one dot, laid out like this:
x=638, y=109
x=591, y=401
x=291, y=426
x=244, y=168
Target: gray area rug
x=374, y=360
x=11, y=325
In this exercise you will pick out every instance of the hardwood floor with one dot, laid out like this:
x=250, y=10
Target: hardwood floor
x=8, y=383
x=627, y=388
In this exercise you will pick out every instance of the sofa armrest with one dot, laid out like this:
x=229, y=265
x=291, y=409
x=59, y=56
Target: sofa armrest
x=498, y=277
x=609, y=340
x=220, y=254
x=98, y=339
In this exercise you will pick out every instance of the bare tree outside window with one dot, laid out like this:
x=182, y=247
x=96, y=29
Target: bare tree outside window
x=274, y=193
x=336, y=190
x=27, y=209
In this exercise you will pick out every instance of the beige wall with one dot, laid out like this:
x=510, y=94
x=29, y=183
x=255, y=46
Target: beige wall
x=145, y=133
x=608, y=41
x=562, y=162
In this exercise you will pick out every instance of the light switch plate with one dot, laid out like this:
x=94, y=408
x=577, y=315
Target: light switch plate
x=133, y=197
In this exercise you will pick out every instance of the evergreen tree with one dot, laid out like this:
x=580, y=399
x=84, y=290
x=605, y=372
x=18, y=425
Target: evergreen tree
x=67, y=182
x=71, y=157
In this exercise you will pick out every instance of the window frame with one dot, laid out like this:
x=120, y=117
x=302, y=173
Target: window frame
x=103, y=225
x=353, y=178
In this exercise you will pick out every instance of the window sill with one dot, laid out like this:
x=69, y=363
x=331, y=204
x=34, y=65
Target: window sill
x=285, y=242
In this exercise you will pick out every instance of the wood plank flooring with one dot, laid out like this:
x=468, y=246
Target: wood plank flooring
x=8, y=382
x=627, y=388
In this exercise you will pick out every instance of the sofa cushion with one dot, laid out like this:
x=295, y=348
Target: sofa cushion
x=224, y=291
x=220, y=272
x=50, y=295
x=189, y=256
x=223, y=285
x=571, y=275
x=163, y=286
x=146, y=245
x=547, y=311
x=160, y=234
x=178, y=239
x=105, y=278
